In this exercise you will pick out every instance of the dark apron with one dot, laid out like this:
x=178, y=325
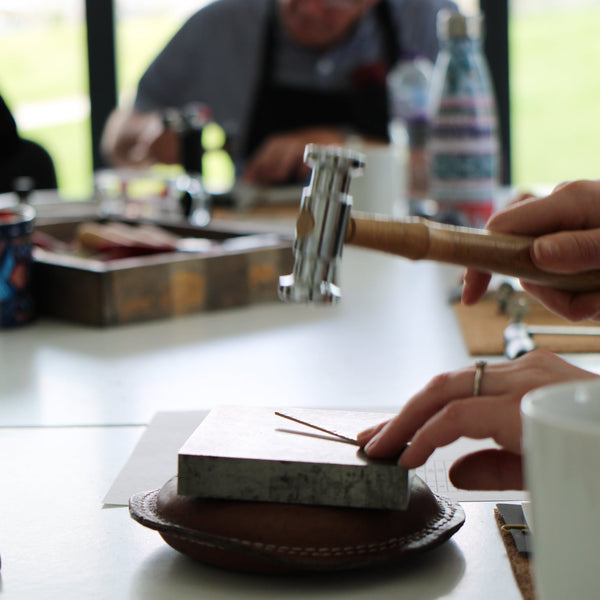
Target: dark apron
x=364, y=110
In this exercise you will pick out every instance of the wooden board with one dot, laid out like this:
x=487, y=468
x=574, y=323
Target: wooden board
x=483, y=325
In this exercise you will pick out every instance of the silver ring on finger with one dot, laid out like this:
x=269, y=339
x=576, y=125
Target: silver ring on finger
x=479, y=368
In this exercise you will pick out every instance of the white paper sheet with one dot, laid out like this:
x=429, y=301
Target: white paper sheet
x=154, y=459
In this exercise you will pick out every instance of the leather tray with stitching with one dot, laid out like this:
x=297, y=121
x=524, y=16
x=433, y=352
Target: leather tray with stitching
x=273, y=537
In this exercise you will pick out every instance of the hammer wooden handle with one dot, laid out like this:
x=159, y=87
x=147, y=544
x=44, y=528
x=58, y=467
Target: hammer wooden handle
x=481, y=249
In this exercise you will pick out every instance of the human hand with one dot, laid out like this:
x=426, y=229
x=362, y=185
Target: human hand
x=445, y=410
x=281, y=156
x=133, y=139
x=567, y=227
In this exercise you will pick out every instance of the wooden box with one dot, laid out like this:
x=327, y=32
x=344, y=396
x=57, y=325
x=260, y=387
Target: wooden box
x=160, y=285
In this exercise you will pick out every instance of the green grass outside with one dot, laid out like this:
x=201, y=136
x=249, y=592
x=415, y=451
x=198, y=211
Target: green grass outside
x=554, y=89
x=51, y=61
x=41, y=62
x=69, y=146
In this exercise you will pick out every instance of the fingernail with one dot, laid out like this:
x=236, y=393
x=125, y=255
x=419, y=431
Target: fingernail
x=366, y=434
x=546, y=250
x=372, y=444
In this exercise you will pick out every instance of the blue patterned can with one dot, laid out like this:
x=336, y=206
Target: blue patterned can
x=16, y=290
x=463, y=143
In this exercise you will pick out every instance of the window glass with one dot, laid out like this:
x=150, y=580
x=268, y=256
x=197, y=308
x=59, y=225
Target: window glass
x=143, y=28
x=44, y=81
x=555, y=129
x=44, y=76
x=555, y=88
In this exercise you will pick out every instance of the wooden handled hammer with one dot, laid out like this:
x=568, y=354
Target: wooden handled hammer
x=325, y=224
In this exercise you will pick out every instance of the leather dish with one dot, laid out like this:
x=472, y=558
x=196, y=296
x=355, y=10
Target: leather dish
x=273, y=537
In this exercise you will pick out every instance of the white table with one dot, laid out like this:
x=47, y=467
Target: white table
x=393, y=330
x=74, y=400
x=57, y=542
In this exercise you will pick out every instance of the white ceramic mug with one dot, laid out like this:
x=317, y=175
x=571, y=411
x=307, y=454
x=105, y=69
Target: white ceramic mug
x=381, y=189
x=561, y=443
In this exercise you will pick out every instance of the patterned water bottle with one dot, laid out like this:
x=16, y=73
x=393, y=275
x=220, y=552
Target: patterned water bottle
x=463, y=143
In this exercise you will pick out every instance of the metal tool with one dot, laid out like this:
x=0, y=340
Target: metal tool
x=518, y=335
x=321, y=225
x=324, y=224
x=188, y=123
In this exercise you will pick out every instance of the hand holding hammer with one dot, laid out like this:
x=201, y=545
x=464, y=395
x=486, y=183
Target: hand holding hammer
x=325, y=224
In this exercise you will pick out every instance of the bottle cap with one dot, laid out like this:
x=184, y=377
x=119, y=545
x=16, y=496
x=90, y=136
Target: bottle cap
x=453, y=26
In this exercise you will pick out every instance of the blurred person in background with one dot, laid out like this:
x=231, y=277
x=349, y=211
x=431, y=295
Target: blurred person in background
x=277, y=74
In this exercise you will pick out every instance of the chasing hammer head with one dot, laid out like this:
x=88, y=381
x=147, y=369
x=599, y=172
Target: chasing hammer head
x=321, y=225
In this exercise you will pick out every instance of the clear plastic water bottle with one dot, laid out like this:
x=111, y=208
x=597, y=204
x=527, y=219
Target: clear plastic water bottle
x=463, y=143
x=408, y=87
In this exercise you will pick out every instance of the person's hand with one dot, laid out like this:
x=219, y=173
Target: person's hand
x=567, y=225
x=281, y=156
x=446, y=410
x=132, y=139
